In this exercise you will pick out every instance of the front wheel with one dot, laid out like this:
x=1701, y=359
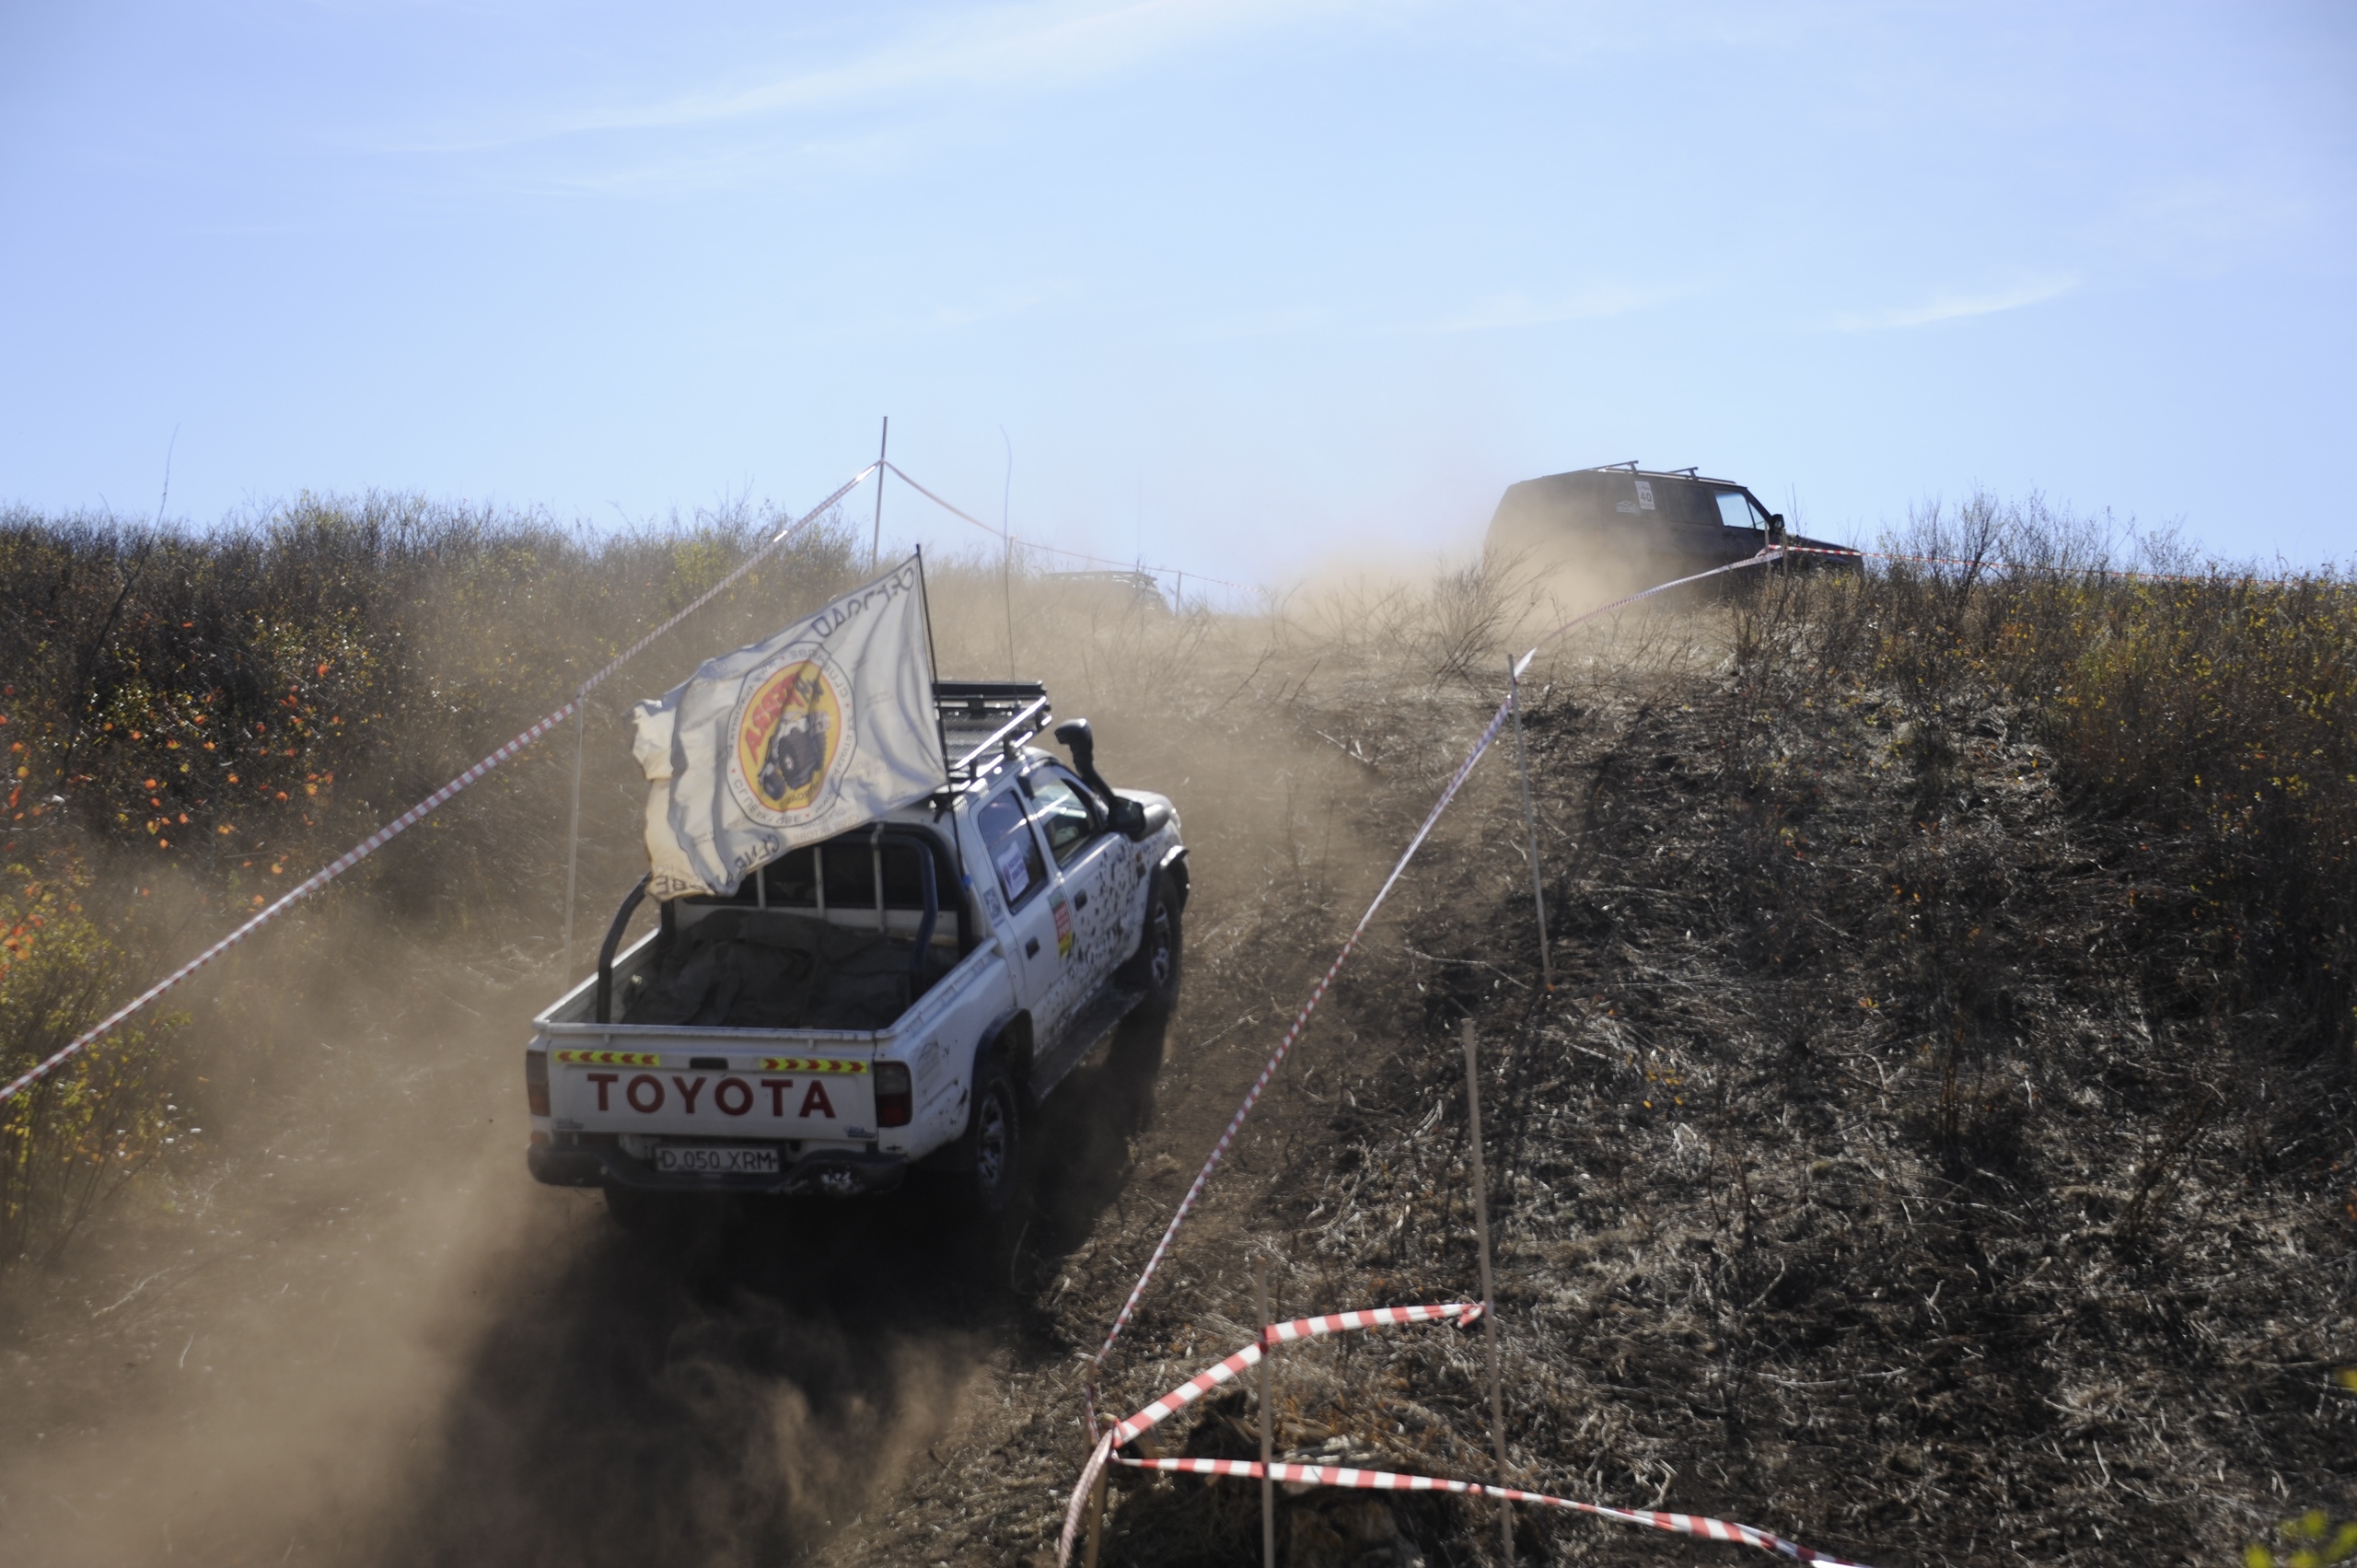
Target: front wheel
x=1153, y=967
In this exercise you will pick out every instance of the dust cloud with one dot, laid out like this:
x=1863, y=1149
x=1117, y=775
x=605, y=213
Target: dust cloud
x=362, y=1334
x=349, y=1329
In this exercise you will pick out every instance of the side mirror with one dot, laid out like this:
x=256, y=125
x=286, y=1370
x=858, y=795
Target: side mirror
x=1127, y=817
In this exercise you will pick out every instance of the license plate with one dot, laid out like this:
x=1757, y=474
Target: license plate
x=704, y=1160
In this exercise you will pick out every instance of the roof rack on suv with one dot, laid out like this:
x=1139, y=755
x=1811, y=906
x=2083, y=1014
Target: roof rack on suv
x=983, y=721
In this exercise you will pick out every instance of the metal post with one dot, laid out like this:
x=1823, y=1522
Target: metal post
x=1489, y=1298
x=573, y=835
x=1268, y=1487
x=1530, y=826
x=1006, y=562
x=876, y=544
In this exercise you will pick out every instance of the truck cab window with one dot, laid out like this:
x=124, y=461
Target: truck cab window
x=1067, y=816
x=1013, y=852
x=1736, y=511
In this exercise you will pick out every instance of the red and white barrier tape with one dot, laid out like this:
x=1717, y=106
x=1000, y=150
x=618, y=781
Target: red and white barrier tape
x=1252, y=1098
x=1464, y=1313
x=1387, y=1480
x=1203, y=1382
x=1054, y=550
x=416, y=814
x=1187, y=1393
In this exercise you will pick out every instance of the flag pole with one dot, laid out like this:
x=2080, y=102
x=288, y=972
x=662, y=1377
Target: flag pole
x=932, y=662
x=925, y=594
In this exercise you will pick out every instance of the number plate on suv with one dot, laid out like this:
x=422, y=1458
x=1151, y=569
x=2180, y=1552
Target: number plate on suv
x=704, y=1159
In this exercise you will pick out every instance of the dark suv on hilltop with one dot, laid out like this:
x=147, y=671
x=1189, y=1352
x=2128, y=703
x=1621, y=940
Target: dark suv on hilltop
x=1641, y=526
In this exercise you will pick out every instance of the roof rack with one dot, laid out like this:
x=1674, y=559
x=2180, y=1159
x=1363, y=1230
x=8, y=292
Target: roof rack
x=984, y=722
x=1638, y=471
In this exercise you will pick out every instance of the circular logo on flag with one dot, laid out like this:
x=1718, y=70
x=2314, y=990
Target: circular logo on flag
x=789, y=734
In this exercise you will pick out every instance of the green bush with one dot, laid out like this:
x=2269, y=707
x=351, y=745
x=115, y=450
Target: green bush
x=2312, y=1540
x=71, y=1139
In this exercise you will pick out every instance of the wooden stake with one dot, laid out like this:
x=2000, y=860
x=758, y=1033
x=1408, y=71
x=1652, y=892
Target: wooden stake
x=1489, y=1298
x=1530, y=827
x=1268, y=1487
x=572, y=836
x=1096, y=1520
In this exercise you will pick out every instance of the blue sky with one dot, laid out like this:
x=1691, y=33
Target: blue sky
x=1250, y=287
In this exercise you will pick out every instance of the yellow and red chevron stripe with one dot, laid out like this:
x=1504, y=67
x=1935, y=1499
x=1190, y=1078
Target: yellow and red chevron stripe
x=810, y=1064
x=609, y=1057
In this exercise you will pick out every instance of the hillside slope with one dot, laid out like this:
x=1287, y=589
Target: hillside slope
x=1920, y=1155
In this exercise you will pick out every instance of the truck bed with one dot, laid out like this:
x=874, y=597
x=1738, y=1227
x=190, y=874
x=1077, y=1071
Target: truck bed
x=759, y=969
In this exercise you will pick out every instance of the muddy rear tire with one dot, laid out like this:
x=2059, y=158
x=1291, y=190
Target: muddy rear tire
x=992, y=1152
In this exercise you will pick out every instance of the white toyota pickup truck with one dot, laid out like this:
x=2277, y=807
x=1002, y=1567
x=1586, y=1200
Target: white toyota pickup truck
x=898, y=998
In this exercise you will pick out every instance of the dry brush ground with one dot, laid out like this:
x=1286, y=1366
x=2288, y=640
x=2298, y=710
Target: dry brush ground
x=1882, y=1171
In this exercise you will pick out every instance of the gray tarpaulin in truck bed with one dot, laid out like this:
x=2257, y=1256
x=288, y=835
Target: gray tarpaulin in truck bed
x=774, y=969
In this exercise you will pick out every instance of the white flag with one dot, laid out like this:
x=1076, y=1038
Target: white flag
x=826, y=725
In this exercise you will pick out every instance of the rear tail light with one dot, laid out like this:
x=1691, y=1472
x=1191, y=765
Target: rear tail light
x=536, y=1082
x=893, y=1102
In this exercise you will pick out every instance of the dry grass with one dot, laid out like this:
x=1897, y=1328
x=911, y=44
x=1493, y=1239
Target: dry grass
x=1937, y=1149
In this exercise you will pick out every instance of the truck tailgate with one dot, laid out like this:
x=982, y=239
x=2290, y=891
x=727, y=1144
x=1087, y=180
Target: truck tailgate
x=754, y=1097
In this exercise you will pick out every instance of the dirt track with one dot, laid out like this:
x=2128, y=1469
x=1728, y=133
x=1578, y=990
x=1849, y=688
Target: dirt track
x=352, y=1331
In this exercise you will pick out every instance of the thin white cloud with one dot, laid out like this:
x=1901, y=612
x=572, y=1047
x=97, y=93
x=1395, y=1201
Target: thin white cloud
x=1018, y=48
x=1955, y=306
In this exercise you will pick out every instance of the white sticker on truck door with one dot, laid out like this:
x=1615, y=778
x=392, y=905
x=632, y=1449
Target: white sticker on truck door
x=1644, y=496
x=1014, y=867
